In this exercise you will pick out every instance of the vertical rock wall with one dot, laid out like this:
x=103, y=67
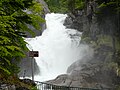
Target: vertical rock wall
x=100, y=32
x=43, y=25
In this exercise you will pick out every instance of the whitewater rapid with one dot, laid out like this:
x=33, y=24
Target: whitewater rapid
x=58, y=47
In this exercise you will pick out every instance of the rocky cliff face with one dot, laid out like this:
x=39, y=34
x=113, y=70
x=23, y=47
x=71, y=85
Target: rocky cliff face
x=100, y=32
x=45, y=6
x=43, y=25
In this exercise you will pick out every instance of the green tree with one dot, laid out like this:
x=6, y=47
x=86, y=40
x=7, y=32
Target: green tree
x=15, y=16
x=57, y=6
x=75, y=5
x=64, y=6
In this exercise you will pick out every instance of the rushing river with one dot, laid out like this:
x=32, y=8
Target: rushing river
x=58, y=47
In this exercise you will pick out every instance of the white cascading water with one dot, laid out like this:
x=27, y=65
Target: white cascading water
x=58, y=48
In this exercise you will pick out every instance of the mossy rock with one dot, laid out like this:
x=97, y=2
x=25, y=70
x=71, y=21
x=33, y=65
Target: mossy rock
x=86, y=39
x=117, y=44
x=105, y=40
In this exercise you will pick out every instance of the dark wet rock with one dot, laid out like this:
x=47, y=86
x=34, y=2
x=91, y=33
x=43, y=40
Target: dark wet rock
x=22, y=88
x=28, y=81
x=26, y=68
x=7, y=87
x=100, y=33
x=43, y=25
x=75, y=22
x=62, y=80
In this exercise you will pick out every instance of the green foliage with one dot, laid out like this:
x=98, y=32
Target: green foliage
x=63, y=6
x=79, y=4
x=36, y=9
x=75, y=4
x=112, y=5
x=57, y=5
x=102, y=5
x=15, y=18
x=72, y=5
x=5, y=70
x=34, y=88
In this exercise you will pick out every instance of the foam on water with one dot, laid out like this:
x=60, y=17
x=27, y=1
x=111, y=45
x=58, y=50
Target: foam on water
x=57, y=50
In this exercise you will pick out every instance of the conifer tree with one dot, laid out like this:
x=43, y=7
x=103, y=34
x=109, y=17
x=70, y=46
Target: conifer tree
x=15, y=16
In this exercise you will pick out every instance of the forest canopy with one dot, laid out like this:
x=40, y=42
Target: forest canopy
x=63, y=6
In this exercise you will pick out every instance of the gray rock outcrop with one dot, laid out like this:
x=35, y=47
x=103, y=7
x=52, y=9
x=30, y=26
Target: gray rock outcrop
x=100, y=33
x=45, y=6
x=43, y=25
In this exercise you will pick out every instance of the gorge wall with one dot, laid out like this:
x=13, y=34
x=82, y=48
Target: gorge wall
x=43, y=25
x=100, y=29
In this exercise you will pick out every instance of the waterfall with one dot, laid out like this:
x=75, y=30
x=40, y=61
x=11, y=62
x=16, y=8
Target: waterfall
x=58, y=47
